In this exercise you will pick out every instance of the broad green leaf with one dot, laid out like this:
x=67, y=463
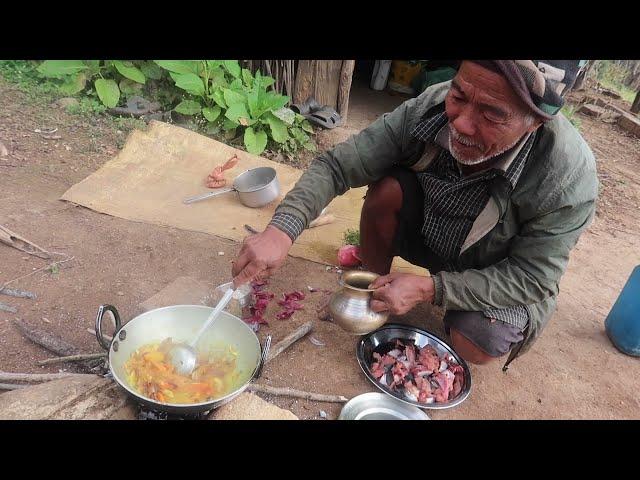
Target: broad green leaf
x=212, y=64
x=299, y=135
x=237, y=111
x=179, y=66
x=218, y=97
x=247, y=77
x=306, y=126
x=233, y=67
x=74, y=84
x=211, y=114
x=287, y=115
x=229, y=124
x=188, y=107
x=278, y=129
x=129, y=87
x=217, y=78
x=129, y=71
x=255, y=142
x=93, y=66
x=237, y=85
x=231, y=97
x=253, y=100
x=267, y=82
x=310, y=146
x=151, y=70
x=61, y=68
x=275, y=101
x=108, y=92
x=189, y=82
x=300, y=118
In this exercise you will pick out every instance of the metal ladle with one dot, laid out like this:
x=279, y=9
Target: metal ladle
x=183, y=356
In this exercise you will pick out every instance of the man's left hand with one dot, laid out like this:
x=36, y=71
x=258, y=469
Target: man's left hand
x=400, y=292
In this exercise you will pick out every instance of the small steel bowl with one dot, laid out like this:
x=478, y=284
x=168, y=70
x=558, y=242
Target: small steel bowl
x=377, y=406
x=380, y=341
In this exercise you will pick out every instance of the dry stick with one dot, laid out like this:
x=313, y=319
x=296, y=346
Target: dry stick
x=72, y=358
x=52, y=343
x=11, y=386
x=37, y=377
x=267, y=67
x=17, y=293
x=286, y=342
x=8, y=308
x=14, y=240
x=289, y=392
x=51, y=265
x=46, y=340
x=104, y=335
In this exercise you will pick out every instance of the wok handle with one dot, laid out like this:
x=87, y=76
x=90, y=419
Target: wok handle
x=263, y=357
x=204, y=196
x=101, y=311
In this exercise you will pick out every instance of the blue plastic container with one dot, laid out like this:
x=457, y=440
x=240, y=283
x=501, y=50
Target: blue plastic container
x=623, y=322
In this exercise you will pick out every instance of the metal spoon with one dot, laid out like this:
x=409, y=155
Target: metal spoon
x=183, y=355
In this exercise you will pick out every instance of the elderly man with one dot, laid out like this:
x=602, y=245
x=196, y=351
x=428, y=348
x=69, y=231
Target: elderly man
x=481, y=181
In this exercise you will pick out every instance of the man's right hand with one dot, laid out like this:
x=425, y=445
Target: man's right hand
x=261, y=255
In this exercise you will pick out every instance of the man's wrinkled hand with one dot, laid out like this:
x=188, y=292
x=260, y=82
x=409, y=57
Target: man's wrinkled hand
x=261, y=255
x=399, y=293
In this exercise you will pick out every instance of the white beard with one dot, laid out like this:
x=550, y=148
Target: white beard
x=453, y=133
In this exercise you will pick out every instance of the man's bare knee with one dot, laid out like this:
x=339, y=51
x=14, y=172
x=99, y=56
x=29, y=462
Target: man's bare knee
x=385, y=194
x=468, y=350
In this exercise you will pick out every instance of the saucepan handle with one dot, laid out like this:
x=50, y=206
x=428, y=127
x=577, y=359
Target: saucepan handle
x=101, y=311
x=204, y=196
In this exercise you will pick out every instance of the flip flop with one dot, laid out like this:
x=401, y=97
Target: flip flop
x=305, y=108
x=326, y=117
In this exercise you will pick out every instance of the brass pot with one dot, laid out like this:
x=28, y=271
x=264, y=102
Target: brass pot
x=350, y=306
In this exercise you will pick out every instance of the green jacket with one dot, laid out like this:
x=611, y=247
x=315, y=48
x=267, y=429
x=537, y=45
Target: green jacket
x=520, y=252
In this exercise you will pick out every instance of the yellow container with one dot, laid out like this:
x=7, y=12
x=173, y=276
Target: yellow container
x=402, y=75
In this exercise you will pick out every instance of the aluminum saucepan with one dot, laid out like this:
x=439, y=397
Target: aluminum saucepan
x=255, y=188
x=181, y=323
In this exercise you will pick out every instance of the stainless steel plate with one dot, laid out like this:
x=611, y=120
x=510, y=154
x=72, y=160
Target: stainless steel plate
x=377, y=406
x=378, y=341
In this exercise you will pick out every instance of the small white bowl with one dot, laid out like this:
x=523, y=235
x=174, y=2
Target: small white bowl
x=378, y=406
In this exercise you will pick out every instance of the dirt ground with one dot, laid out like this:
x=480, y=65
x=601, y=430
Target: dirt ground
x=573, y=371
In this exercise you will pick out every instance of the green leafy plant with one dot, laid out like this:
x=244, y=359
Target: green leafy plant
x=351, y=237
x=613, y=76
x=230, y=99
x=24, y=74
x=108, y=79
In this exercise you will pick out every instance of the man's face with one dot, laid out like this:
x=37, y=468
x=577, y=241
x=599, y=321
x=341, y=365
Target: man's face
x=486, y=117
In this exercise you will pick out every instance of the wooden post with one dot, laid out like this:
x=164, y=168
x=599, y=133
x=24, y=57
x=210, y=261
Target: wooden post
x=328, y=81
x=346, y=76
x=305, y=76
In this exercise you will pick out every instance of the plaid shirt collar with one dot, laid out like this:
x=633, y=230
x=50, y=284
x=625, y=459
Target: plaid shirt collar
x=435, y=128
